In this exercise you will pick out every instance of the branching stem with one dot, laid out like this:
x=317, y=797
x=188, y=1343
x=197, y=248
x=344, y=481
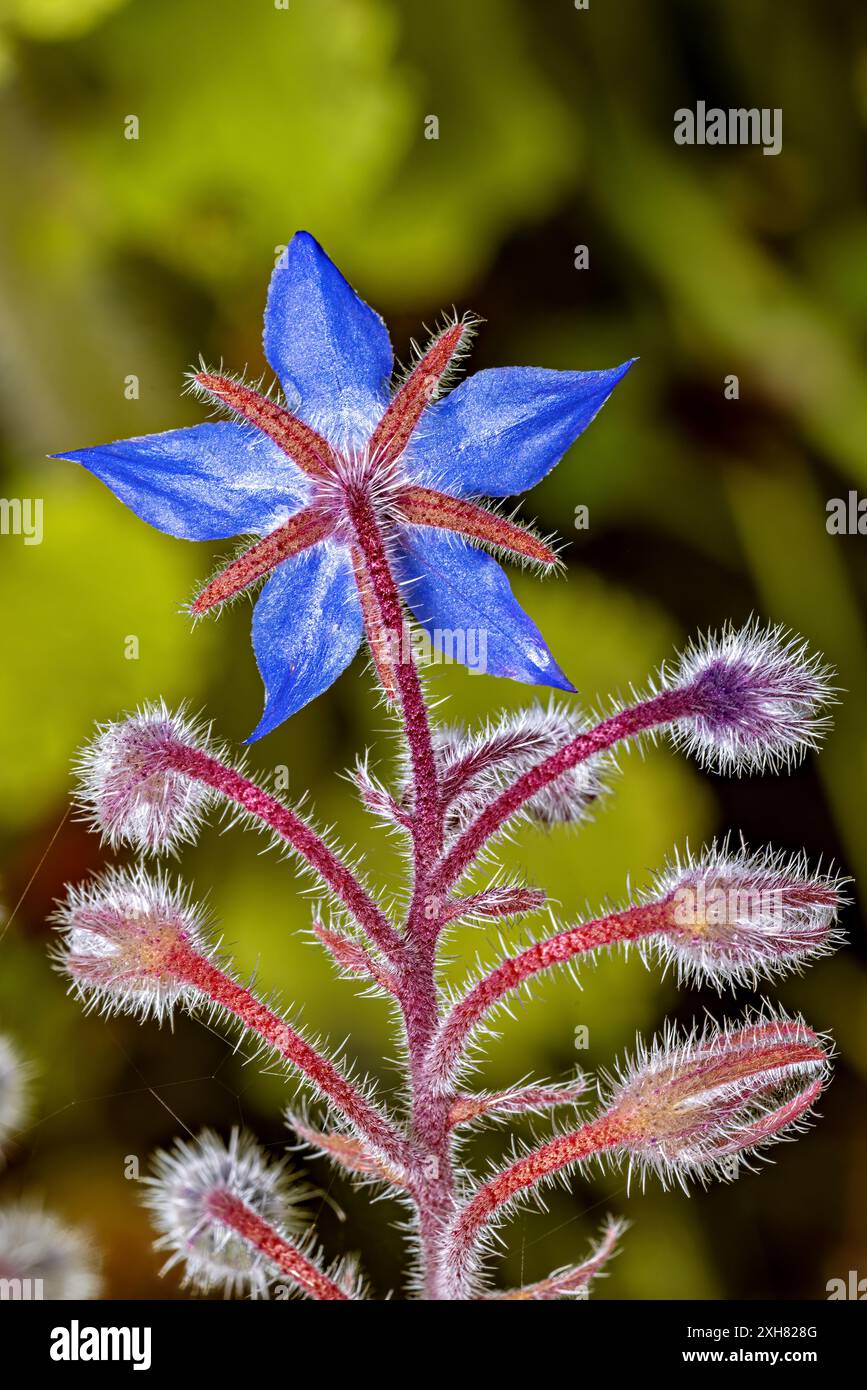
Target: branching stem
x=629, y=925
x=206, y=977
x=665, y=708
x=296, y=832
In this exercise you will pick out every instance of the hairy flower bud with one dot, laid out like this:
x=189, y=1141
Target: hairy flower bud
x=125, y=936
x=477, y=766
x=737, y=917
x=692, y=1106
x=185, y=1196
x=14, y=1090
x=756, y=698
x=49, y=1259
x=128, y=787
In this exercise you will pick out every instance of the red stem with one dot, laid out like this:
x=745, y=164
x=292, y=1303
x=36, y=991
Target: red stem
x=661, y=709
x=428, y=818
x=209, y=980
x=296, y=832
x=377, y=637
x=433, y=1187
x=629, y=925
x=592, y=1138
x=281, y=1253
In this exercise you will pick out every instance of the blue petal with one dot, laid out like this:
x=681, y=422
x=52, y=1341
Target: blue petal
x=306, y=629
x=502, y=430
x=203, y=483
x=326, y=343
x=462, y=597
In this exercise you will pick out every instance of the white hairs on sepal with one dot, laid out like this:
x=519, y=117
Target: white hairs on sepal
x=760, y=698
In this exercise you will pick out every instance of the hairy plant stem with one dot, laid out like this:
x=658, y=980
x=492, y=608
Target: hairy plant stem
x=631, y=924
x=592, y=1138
x=427, y=819
x=434, y=873
x=425, y=1155
x=665, y=708
x=188, y=965
x=279, y=1251
x=433, y=1174
x=296, y=832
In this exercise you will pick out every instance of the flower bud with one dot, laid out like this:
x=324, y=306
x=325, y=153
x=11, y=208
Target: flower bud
x=126, y=935
x=756, y=699
x=737, y=917
x=128, y=787
x=184, y=1198
x=36, y=1247
x=478, y=766
x=690, y=1107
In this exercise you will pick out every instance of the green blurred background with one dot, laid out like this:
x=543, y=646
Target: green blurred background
x=129, y=258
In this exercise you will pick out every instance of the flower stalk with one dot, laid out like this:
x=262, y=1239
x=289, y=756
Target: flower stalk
x=291, y=828
x=364, y=505
x=286, y=1258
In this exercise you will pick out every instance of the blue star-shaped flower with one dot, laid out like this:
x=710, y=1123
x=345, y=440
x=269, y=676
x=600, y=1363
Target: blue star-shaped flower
x=293, y=475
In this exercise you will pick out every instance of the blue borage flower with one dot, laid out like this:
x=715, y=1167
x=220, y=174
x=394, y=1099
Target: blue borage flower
x=286, y=473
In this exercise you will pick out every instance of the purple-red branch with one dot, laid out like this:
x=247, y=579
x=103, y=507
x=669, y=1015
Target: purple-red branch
x=427, y=819
x=417, y=990
x=665, y=708
x=466, y=1108
x=187, y=965
x=629, y=925
x=296, y=832
x=566, y=1281
x=279, y=1251
x=459, y=1256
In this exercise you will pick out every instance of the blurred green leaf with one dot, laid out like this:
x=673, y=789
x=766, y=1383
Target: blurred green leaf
x=92, y=617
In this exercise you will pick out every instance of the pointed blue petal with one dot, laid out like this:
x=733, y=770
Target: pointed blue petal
x=326, y=344
x=306, y=629
x=502, y=430
x=462, y=598
x=201, y=484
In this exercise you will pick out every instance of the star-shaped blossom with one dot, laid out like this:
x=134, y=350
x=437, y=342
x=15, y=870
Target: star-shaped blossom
x=297, y=475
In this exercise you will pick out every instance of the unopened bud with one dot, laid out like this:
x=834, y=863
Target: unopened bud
x=129, y=788
x=126, y=938
x=738, y=917
x=185, y=1196
x=756, y=699
x=687, y=1104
